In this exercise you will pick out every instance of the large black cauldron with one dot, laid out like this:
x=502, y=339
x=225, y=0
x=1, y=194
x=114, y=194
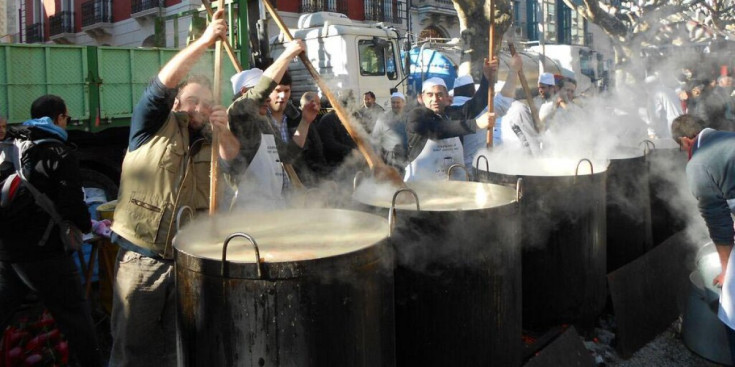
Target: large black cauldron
x=628, y=208
x=457, y=273
x=667, y=165
x=319, y=294
x=563, y=238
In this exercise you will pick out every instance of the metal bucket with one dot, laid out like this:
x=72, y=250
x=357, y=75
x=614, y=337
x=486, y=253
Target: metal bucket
x=628, y=208
x=702, y=331
x=457, y=273
x=285, y=288
x=563, y=238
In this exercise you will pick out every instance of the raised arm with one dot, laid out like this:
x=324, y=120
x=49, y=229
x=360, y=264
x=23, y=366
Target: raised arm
x=176, y=69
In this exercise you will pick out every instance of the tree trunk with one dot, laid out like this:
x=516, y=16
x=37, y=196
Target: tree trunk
x=474, y=25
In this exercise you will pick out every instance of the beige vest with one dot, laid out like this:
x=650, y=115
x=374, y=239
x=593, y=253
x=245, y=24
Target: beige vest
x=157, y=179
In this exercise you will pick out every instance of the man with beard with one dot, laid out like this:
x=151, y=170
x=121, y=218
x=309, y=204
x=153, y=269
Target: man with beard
x=370, y=111
x=257, y=172
x=166, y=169
x=546, y=89
x=389, y=134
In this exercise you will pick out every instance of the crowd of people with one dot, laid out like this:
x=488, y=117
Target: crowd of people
x=268, y=145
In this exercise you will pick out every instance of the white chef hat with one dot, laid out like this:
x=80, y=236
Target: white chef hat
x=245, y=78
x=432, y=82
x=463, y=80
x=398, y=95
x=546, y=78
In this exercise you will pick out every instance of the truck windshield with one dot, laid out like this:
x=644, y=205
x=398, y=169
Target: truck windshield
x=377, y=60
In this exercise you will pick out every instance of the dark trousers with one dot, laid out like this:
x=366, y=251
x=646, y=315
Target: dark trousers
x=57, y=283
x=731, y=340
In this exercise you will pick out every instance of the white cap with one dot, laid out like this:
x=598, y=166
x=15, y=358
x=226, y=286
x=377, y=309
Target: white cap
x=245, y=78
x=463, y=80
x=398, y=95
x=546, y=78
x=432, y=82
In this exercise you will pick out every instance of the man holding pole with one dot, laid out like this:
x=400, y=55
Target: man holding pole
x=166, y=169
x=257, y=172
x=434, y=127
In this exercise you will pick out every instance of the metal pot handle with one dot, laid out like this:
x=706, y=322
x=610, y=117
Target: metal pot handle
x=225, y=272
x=519, y=189
x=392, y=211
x=457, y=165
x=181, y=211
x=477, y=164
x=647, y=146
x=359, y=176
x=576, y=170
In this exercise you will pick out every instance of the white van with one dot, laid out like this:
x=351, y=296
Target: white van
x=349, y=56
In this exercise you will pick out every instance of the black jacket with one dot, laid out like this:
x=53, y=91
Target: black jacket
x=311, y=166
x=337, y=142
x=56, y=173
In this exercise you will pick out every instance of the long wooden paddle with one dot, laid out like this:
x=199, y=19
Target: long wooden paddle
x=529, y=97
x=217, y=96
x=379, y=168
x=491, y=83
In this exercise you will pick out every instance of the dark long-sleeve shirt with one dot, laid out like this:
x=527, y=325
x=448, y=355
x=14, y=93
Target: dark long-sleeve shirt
x=247, y=125
x=423, y=124
x=337, y=142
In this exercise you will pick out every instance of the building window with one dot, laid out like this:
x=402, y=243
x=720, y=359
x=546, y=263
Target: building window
x=532, y=15
x=548, y=9
x=336, y=6
x=96, y=11
x=565, y=23
x=578, y=29
x=382, y=11
x=37, y=11
x=377, y=57
x=432, y=33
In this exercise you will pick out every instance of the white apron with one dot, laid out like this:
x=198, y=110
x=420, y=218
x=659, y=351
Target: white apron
x=261, y=185
x=435, y=159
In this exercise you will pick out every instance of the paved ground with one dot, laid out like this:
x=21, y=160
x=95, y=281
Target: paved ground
x=664, y=351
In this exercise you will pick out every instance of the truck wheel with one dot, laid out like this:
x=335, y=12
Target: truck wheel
x=92, y=178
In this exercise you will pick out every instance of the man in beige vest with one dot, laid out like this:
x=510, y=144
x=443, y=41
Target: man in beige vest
x=166, y=168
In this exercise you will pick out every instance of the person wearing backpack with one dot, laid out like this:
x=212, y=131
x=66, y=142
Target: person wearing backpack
x=32, y=252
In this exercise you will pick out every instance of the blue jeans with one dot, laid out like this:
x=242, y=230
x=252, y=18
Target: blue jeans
x=143, y=321
x=59, y=286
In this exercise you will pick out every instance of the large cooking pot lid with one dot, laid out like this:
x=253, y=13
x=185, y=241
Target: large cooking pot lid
x=546, y=167
x=282, y=236
x=438, y=195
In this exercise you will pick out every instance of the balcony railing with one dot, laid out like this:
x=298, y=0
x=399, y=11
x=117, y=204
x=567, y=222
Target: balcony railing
x=34, y=33
x=437, y=3
x=96, y=11
x=61, y=23
x=310, y=6
x=383, y=11
x=137, y=6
